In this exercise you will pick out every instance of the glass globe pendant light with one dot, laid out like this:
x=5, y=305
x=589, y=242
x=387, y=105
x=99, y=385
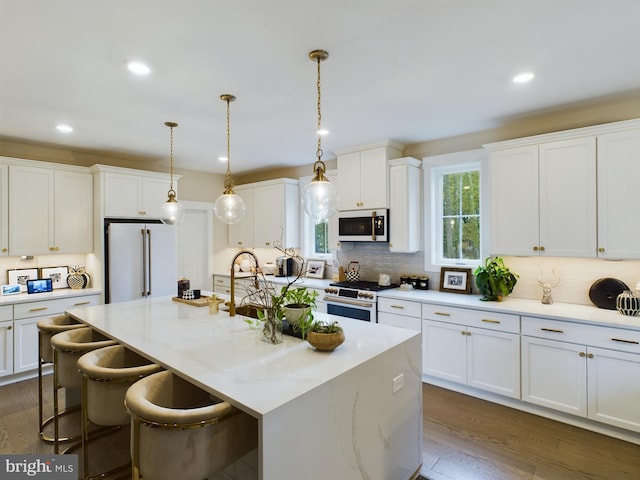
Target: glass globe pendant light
x=229, y=206
x=320, y=197
x=172, y=211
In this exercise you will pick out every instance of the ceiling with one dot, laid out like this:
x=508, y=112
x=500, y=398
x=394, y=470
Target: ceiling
x=407, y=70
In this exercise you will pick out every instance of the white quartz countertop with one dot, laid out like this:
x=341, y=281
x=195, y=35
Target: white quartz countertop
x=53, y=295
x=320, y=283
x=520, y=306
x=225, y=357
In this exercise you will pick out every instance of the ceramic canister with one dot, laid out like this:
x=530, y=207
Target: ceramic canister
x=628, y=304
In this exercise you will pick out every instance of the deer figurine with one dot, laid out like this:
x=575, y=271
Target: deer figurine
x=546, y=288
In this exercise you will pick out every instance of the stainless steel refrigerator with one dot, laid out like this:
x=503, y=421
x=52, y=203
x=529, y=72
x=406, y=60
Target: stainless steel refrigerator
x=141, y=259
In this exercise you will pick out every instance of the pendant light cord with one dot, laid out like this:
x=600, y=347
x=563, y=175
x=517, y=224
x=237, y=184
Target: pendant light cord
x=228, y=181
x=171, y=126
x=319, y=152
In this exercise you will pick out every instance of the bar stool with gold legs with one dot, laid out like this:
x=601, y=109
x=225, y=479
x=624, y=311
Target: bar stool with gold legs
x=180, y=431
x=68, y=347
x=47, y=327
x=107, y=373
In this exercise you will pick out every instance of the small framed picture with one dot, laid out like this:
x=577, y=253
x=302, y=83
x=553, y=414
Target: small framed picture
x=20, y=276
x=10, y=289
x=58, y=276
x=455, y=280
x=315, y=269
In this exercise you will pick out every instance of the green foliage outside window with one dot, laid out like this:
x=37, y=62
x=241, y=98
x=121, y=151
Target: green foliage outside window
x=461, y=215
x=321, y=237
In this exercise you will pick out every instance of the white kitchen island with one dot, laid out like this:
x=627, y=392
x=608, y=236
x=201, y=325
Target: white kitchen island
x=351, y=414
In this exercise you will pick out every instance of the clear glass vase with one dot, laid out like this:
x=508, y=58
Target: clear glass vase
x=272, y=327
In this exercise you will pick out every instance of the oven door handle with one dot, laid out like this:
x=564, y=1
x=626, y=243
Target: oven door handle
x=345, y=301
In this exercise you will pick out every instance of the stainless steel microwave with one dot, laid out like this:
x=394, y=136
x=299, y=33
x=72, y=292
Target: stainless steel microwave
x=363, y=225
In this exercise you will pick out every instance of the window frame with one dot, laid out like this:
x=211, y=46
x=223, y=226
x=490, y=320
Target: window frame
x=434, y=167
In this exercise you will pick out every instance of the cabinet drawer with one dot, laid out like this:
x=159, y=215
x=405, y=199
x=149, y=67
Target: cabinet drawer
x=53, y=307
x=503, y=322
x=400, y=307
x=401, y=321
x=221, y=281
x=591, y=335
x=6, y=312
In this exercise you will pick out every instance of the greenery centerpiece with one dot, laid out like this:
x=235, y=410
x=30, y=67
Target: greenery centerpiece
x=325, y=336
x=494, y=279
x=269, y=301
x=298, y=309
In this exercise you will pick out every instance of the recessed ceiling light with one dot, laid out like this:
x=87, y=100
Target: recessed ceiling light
x=64, y=128
x=138, y=68
x=523, y=77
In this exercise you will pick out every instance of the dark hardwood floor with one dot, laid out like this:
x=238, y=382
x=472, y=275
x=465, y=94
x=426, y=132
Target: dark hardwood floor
x=464, y=439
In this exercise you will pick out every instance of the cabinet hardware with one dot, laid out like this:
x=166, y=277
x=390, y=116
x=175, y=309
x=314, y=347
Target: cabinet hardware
x=38, y=309
x=462, y=332
x=444, y=314
x=397, y=306
x=535, y=248
x=542, y=249
x=9, y=327
x=80, y=303
x=582, y=354
x=601, y=250
x=633, y=342
x=589, y=355
x=4, y=250
x=468, y=334
x=488, y=320
x=551, y=330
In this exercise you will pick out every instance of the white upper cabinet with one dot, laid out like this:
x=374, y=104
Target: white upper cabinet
x=405, y=201
x=567, y=194
x=363, y=176
x=618, y=182
x=50, y=210
x=4, y=209
x=135, y=194
x=272, y=215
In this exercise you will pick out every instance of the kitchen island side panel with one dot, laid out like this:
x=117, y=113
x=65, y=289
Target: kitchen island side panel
x=353, y=426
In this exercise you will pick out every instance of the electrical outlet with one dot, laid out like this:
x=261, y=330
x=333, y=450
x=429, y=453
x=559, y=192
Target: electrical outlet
x=398, y=383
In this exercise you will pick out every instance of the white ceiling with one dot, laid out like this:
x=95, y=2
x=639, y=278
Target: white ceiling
x=408, y=70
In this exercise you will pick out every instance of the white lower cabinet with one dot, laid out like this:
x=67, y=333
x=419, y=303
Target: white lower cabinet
x=19, y=330
x=564, y=367
x=6, y=348
x=400, y=313
x=472, y=347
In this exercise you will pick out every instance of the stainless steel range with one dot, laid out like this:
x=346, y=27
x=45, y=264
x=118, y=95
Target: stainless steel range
x=357, y=300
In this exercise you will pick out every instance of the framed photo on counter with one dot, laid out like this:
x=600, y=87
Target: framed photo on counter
x=58, y=276
x=315, y=269
x=455, y=280
x=21, y=275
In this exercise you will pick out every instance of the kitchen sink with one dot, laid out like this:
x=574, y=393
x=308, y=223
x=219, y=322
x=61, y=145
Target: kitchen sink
x=246, y=310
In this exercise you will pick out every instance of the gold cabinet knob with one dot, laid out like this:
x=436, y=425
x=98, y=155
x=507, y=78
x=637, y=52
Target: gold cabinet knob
x=542, y=249
x=4, y=250
x=582, y=354
x=601, y=250
x=463, y=332
x=535, y=248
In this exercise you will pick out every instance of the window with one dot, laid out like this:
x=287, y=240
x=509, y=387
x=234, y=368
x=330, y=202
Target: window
x=459, y=214
x=454, y=226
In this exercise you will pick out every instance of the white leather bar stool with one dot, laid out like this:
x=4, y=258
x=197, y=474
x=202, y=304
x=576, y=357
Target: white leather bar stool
x=48, y=327
x=107, y=373
x=180, y=431
x=68, y=347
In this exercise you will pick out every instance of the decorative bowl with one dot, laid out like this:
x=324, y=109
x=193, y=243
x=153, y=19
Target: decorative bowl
x=325, y=342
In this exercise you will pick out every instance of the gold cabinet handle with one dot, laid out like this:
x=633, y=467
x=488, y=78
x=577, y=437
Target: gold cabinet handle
x=582, y=354
x=397, y=306
x=622, y=340
x=444, y=314
x=10, y=327
x=542, y=249
x=80, y=303
x=589, y=355
x=535, y=248
x=462, y=332
x=38, y=309
x=4, y=250
x=601, y=250
x=553, y=330
x=468, y=334
x=488, y=320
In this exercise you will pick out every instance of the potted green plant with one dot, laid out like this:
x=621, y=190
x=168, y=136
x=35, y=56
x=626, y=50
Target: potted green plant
x=325, y=336
x=494, y=279
x=299, y=302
